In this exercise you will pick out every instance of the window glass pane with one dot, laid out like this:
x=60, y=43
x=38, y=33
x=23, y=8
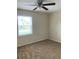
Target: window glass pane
x=24, y=25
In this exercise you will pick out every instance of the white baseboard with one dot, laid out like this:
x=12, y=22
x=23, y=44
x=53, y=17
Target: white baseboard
x=57, y=40
x=31, y=41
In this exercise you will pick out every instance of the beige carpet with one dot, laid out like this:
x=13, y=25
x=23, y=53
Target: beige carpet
x=46, y=49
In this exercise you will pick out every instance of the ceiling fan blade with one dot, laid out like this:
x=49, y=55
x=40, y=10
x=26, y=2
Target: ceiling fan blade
x=49, y=4
x=45, y=8
x=35, y=8
x=30, y=5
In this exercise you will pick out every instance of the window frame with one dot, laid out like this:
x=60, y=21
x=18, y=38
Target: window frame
x=18, y=28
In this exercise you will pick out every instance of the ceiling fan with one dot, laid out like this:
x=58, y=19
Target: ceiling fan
x=40, y=4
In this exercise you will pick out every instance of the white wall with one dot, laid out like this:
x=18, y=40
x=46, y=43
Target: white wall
x=40, y=27
x=55, y=26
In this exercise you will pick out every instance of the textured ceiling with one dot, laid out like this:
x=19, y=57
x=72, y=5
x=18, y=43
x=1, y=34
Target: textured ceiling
x=24, y=4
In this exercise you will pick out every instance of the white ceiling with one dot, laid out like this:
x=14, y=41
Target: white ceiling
x=22, y=4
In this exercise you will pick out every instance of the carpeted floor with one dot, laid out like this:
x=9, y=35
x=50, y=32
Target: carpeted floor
x=46, y=49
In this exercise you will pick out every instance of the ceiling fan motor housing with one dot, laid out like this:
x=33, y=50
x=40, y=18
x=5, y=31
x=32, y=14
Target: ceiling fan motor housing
x=40, y=3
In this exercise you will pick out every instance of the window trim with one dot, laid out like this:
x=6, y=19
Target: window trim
x=18, y=29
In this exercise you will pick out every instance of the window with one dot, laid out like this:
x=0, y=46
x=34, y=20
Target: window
x=24, y=25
